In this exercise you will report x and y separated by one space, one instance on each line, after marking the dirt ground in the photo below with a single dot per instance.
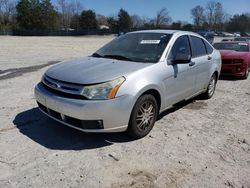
201 143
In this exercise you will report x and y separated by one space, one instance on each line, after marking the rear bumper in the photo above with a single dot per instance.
113 114
233 69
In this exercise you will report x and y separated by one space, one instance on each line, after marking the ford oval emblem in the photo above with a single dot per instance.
53 85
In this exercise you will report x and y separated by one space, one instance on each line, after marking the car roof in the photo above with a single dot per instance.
229 42
156 31
165 31
171 32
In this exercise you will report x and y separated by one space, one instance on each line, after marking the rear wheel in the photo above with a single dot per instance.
211 87
143 116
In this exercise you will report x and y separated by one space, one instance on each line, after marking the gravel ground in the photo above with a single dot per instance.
199 143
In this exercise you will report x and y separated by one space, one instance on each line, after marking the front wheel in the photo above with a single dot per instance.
246 74
143 116
211 87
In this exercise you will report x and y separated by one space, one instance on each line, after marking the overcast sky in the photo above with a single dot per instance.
178 9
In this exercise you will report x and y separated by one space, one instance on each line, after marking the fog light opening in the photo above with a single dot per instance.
100 124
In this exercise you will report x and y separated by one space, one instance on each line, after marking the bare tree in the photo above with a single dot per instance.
102 20
137 21
148 23
211 5
219 14
62 8
198 15
78 7
1 13
215 14
162 18
7 11
69 11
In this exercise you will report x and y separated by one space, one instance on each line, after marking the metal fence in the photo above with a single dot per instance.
57 32
19 32
6 32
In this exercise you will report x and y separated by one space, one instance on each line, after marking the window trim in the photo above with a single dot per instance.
206 46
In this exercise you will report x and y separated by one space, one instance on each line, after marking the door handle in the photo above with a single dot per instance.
209 58
191 64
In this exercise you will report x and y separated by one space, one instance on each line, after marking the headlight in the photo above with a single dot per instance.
106 90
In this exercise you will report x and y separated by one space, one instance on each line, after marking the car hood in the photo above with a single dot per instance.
91 70
232 54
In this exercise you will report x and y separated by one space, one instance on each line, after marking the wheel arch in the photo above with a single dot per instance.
155 93
216 73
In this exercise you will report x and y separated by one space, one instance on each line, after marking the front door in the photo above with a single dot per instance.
180 78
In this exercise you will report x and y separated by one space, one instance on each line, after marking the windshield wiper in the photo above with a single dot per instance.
118 57
96 55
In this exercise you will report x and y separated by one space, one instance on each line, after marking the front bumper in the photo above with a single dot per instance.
233 70
114 114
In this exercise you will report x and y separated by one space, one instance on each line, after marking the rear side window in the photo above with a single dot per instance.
208 47
198 47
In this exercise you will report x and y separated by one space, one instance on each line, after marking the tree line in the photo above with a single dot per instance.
214 17
42 15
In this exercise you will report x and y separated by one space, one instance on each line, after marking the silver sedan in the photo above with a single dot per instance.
124 85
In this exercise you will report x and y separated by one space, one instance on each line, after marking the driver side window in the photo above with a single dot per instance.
181 46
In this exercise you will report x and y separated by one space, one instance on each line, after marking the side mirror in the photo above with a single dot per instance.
181 59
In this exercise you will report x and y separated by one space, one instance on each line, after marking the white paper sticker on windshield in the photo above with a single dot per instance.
244 44
150 41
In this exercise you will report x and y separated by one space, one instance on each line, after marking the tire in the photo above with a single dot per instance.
210 88
143 116
246 74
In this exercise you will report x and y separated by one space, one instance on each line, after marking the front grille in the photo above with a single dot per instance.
82 124
227 61
63 94
59 85
232 61
226 71
63 89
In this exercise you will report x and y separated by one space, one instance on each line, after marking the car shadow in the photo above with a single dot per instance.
229 78
54 135
175 108
195 103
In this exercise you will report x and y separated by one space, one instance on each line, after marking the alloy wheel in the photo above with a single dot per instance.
211 86
247 72
145 116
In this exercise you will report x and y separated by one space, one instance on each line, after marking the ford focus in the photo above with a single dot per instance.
124 85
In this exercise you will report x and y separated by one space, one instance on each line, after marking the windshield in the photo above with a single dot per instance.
139 47
241 47
242 39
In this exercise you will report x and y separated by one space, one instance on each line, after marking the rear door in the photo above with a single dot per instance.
202 61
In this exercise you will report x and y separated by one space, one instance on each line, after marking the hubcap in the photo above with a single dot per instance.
211 87
145 116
